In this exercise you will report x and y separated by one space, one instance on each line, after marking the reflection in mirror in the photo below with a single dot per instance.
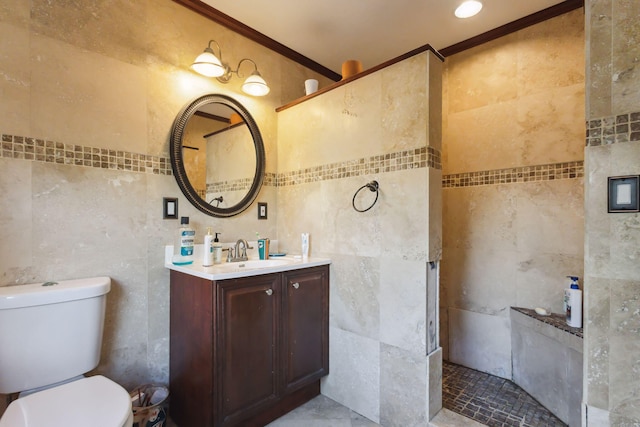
217 155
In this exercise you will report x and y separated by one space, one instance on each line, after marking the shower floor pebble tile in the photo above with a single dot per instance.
491 400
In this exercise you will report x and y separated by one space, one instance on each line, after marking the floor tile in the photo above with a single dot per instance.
322 412
492 400
470 398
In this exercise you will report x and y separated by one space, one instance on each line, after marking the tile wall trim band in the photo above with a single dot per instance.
41 150
613 129
423 157
27 148
548 172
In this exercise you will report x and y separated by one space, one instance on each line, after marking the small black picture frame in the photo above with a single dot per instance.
169 208
623 193
262 210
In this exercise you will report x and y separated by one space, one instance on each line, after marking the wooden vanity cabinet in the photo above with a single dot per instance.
245 351
305 309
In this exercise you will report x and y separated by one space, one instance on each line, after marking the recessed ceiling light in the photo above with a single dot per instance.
468 9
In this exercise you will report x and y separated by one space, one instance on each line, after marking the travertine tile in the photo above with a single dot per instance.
598 32
469 345
65 79
403 310
597 301
403 387
354 380
482 76
624 388
558 44
624 51
16 245
354 301
16 82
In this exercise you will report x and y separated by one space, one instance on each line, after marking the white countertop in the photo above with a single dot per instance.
237 269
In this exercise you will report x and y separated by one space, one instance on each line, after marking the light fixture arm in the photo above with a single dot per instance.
227 76
208 49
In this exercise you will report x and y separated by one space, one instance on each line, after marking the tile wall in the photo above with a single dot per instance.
384 351
513 174
612 240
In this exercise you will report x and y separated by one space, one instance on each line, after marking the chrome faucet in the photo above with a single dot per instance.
241 250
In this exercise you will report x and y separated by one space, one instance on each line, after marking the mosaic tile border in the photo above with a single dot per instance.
613 129
230 185
27 148
20 147
401 160
41 150
548 172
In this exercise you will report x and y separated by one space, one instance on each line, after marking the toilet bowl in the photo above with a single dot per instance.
51 335
89 402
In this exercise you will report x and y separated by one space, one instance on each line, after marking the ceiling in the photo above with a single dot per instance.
372 31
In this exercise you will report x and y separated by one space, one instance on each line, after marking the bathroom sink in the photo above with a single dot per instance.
262 263
252 264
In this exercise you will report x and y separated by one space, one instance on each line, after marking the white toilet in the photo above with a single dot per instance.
51 334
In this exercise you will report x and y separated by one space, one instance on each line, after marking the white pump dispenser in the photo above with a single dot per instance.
217 250
207 250
573 303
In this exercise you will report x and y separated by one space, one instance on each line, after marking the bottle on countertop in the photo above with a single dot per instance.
305 245
183 247
207 250
573 303
217 250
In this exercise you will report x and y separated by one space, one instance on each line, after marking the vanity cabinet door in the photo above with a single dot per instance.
247 316
305 326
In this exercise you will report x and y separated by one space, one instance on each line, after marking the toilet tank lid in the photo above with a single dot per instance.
52 292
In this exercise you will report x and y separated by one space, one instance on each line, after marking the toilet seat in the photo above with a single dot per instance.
95 401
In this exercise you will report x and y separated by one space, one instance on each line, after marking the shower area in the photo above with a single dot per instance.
513 202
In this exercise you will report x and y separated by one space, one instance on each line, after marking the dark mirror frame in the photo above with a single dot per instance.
177 163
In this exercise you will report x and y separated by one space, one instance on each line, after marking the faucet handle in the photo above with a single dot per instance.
229 254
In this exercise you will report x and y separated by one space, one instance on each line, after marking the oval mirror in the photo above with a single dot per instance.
217 155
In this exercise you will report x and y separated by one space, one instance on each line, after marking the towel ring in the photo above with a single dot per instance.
372 186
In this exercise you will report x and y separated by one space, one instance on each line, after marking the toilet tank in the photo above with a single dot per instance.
50 332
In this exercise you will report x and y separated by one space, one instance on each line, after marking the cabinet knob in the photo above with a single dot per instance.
296 285
269 292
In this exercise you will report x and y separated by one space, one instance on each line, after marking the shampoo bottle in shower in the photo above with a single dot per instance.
183 247
573 303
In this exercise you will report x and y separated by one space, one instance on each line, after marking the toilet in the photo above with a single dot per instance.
50 335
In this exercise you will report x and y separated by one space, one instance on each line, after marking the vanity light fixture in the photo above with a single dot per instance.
468 9
210 65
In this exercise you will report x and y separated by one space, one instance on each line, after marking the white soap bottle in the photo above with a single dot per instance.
305 245
183 247
217 250
573 303
207 250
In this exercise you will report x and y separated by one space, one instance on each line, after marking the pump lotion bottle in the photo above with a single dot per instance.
217 250
573 303
207 250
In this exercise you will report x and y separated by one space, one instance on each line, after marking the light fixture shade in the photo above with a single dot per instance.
255 85
468 9
208 64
